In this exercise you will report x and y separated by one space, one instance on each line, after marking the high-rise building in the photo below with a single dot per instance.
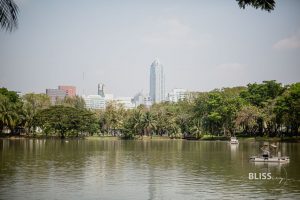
101 89
56 94
70 90
157 82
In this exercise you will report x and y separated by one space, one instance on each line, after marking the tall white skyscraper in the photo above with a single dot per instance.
157 82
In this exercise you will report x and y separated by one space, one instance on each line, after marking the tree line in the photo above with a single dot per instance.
259 109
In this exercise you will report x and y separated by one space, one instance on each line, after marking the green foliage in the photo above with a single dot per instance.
265 109
288 108
257 94
76 102
247 118
11 95
32 103
267 5
66 120
8 113
217 110
10 109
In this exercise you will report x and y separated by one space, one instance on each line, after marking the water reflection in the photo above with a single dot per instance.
174 169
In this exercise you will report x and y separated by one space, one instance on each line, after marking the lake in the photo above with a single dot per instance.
144 169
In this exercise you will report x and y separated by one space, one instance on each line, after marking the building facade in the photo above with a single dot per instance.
101 89
157 82
177 94
70 90
55 95
94 102
141 99
126 102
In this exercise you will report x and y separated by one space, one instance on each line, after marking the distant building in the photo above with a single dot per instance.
94 102
108 97
141 99
127 102
177 94
101 89
70 90
56 94
157 82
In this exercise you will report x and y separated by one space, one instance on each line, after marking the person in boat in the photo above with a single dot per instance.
266 154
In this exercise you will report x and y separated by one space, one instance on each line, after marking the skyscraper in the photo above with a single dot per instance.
101 89
157 82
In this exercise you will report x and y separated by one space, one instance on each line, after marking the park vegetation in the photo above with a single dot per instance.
259 109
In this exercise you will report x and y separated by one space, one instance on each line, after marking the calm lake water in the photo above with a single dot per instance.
168 169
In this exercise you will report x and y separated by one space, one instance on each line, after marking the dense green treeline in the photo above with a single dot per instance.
265 109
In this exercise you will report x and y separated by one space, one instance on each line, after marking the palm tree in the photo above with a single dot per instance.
28 117
197 128
149 123
8 116
138 121
8 15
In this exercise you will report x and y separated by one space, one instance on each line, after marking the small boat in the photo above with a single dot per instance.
233 140
267 157
282 159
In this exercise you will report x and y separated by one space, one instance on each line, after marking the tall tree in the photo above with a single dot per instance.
11 107
32 104
149 123
247 118
8 114
288 108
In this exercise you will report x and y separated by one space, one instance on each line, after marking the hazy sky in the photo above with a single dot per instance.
202 45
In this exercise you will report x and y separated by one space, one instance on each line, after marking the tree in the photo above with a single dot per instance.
137 121
247 118
11 95
196 128
257 94
8 15
149 123
32 104
267 5
66 120
8 114
288 108
76 102
10 109
133 123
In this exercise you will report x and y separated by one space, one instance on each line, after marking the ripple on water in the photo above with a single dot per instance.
137 170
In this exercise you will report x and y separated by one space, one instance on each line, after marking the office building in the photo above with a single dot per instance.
177 94
55 95
142 99
70 90
94 102
101 90
157 82
126 102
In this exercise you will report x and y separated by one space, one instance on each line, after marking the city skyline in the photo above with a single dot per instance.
203 45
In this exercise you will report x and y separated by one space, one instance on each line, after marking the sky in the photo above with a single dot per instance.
201 44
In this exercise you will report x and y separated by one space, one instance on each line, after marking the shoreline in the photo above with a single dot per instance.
155 138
